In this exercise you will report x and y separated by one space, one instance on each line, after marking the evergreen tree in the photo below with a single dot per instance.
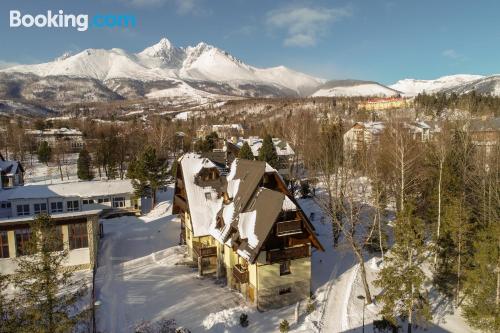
402 277
268 153
44 152
148 174
84 165
284 326
7 320
246 152
47 294
482 289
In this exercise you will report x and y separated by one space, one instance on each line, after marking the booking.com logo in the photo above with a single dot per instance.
61 20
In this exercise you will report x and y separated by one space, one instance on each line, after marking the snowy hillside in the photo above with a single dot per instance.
351 88
413 87
489 85
164 61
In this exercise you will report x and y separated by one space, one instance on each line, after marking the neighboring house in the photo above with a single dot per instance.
109 196
485 133
72 139
224 131
11 173
419 130
382 103
247 227
79 235
363 134
284 151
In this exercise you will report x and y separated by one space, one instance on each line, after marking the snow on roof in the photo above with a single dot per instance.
54 216
257 221
288 204
56 131
237 127
255 143
74 189
374 127
203 201
9 168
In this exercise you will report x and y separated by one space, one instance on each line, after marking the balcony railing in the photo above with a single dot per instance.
285 228
289 253
203 250
240 273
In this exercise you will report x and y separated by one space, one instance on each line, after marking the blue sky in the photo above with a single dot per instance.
380 40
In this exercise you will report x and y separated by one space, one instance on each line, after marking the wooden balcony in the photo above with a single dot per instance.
240 273
289 253
203 250
180 202
285 228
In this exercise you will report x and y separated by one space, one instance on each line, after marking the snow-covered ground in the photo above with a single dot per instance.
144 275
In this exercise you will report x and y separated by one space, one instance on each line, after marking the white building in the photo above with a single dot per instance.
72 138
69 197
362 134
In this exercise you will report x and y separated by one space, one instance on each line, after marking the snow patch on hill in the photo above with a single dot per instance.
413 87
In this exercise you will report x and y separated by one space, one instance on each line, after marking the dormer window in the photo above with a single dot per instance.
208 195
220 223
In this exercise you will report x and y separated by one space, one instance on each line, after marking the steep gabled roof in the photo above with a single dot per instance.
203 201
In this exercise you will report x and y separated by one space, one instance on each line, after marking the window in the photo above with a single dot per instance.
285 268
56 207
22 240
4 245
40 208
283 291
78 236
208 195
5 204
101 200
88 201
119 202
23 210
72 206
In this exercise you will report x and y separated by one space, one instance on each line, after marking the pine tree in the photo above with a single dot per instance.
402 277
481 307
148 174
47 294
44 152
246 152
268 153
284 326
84 165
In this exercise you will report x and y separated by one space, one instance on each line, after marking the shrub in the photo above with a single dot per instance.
284 326
244 320
311 306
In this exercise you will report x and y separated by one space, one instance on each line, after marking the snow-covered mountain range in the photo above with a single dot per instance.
198 66
195 75
350 88
461 83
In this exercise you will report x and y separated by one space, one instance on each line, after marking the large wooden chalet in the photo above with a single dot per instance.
244 225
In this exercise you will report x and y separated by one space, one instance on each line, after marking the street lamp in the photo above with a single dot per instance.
364 303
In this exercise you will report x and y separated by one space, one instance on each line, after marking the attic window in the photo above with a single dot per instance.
208 195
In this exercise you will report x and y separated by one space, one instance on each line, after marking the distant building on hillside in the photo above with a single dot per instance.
382 103
485 133
363 134
247 227
419 130
284 151
224 131
71 138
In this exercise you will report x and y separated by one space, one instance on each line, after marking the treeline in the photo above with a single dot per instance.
474 103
